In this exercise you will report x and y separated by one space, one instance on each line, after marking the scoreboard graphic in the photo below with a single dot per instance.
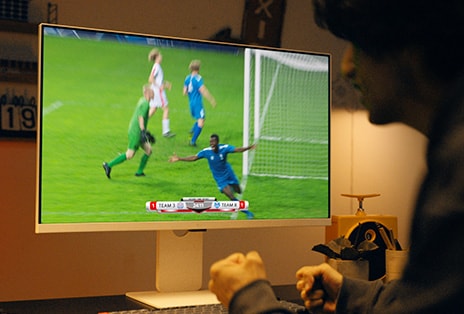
196 205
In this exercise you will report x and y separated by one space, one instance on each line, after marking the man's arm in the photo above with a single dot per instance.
239 283
243 149
175 158
141 123
205 93
151 77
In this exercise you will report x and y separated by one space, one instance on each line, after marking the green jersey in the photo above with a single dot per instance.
141 110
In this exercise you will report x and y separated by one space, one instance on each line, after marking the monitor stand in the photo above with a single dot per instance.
179 272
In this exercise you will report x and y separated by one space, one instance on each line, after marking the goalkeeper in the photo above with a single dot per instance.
139 136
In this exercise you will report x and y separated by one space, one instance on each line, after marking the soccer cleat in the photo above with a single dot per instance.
234 216
107 170
249 214
139 174
192 144
169 134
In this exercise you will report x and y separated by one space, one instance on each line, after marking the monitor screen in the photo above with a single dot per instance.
90 83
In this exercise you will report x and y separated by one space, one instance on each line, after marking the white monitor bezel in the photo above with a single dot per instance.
161 225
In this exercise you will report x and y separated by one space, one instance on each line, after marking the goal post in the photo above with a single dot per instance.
286 108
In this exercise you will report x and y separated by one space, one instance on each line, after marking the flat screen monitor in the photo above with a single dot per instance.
90 83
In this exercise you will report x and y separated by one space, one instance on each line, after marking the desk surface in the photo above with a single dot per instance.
94 305
85 305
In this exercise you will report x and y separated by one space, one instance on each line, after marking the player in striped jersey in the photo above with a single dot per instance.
159 86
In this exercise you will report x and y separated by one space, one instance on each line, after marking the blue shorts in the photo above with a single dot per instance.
231 179
197 112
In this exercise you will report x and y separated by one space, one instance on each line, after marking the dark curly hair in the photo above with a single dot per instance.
380 27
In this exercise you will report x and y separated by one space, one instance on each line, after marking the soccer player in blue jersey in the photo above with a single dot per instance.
222 171
195 88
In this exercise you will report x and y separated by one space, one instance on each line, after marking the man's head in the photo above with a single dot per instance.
195 66
214 141
154 55
402 56
148 92
382 27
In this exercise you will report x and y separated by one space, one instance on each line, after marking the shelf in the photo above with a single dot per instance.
18 71
18 27
26 77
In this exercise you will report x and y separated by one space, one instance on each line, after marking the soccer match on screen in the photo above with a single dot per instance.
143 128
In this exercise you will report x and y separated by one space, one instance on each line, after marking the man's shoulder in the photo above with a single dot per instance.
142 101
205 151
226 148
195 78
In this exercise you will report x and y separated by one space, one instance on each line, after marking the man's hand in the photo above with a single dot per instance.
167 85
174 158
233 273
319 286
213 103
146 136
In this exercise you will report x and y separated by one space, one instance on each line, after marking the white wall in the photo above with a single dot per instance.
365 159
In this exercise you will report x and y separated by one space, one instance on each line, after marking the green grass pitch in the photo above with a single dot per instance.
90 90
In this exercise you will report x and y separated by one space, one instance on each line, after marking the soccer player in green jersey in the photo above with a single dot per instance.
137 135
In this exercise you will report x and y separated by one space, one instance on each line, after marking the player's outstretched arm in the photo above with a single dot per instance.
175 158
243 149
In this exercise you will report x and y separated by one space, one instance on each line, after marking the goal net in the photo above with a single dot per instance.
286 112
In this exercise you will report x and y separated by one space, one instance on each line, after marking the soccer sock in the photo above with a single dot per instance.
196 133
192 130
165 125
143 163
120 159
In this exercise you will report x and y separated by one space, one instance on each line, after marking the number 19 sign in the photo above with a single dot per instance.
18 120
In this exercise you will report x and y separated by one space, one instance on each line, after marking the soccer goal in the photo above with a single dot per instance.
286 112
